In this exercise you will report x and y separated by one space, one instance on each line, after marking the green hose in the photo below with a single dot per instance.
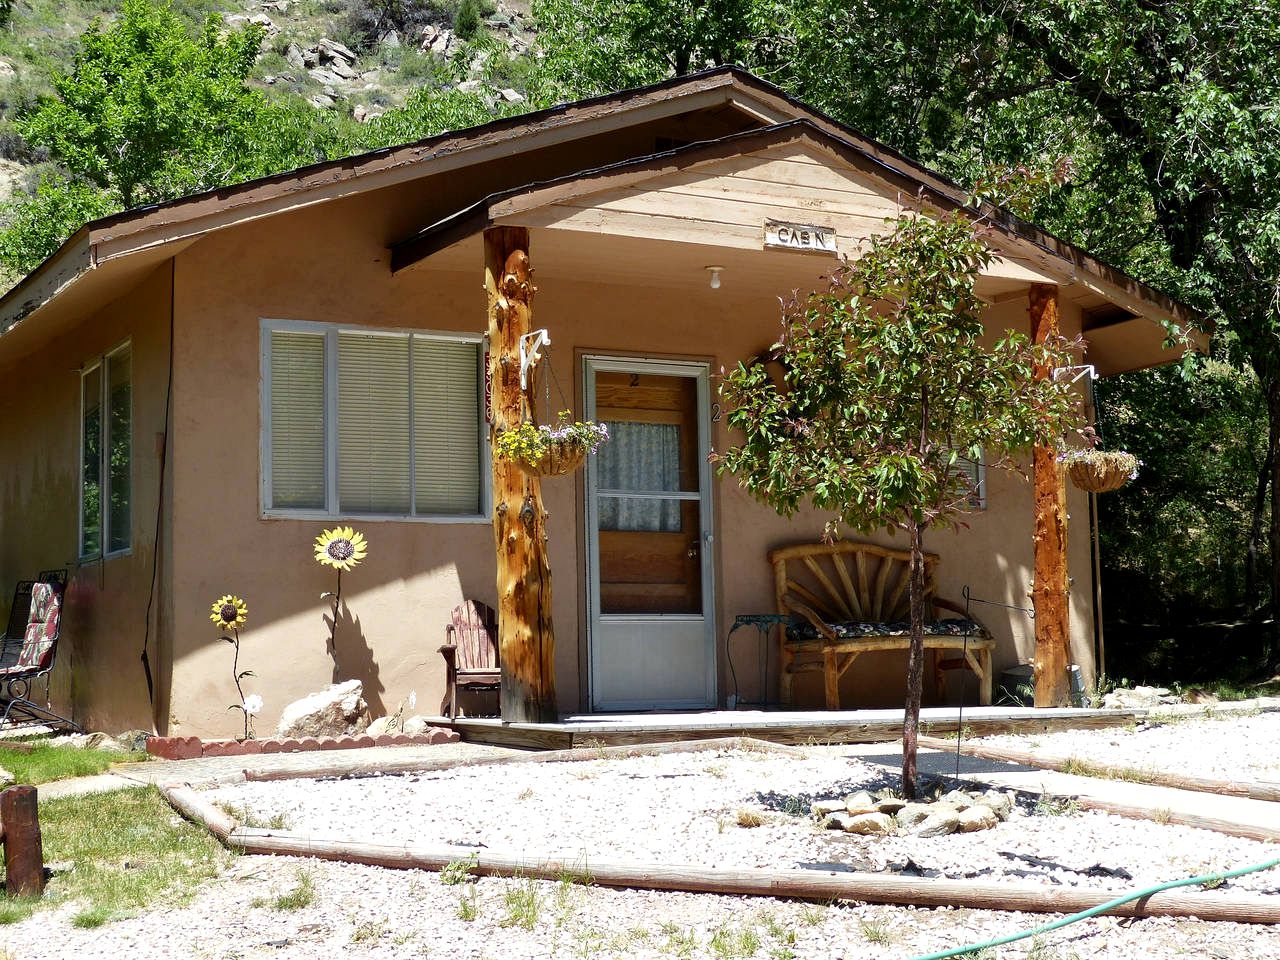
1101 908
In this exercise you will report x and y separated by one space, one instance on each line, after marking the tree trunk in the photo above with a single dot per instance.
526 639
1273 442
1049 595
915 663
1253 551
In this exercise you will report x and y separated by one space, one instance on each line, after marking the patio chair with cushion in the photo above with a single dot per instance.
30 647
471 653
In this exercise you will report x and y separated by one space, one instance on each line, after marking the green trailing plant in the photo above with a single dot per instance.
534 445
877 387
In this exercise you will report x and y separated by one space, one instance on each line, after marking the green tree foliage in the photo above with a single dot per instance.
877 387
59 207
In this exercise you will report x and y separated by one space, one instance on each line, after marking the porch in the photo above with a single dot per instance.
777 726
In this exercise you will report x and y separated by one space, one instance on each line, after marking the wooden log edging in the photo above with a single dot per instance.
383 766
693 878
1252 790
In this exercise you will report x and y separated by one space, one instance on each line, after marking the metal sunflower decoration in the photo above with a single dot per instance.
341 548
228 613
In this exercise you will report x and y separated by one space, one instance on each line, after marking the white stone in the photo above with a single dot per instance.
1001 804
267 24
958 799
293 53
509 95
391 40
323 75
977 817
869 824
338 711
860 802
914 813
821 808
938 824
333 50
6 69
416 725
379 727
6 777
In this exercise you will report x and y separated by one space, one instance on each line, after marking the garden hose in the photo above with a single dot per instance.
1209 878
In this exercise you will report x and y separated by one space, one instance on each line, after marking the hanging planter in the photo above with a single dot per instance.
1100 471
551 451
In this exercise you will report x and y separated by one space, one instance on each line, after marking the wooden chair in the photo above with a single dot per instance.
471 651
849 598
36 651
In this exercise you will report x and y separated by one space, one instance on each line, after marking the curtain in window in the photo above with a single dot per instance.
373 424
446 427
297 420
640 457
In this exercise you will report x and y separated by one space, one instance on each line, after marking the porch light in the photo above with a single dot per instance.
715 276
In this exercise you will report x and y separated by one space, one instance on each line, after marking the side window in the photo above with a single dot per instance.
106 454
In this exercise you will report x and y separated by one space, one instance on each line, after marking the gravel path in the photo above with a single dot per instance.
1225 748
365 912
683 808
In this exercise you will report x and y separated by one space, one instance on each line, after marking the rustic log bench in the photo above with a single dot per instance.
848 598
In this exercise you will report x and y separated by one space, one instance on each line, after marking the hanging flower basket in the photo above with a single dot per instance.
552 451
1100 471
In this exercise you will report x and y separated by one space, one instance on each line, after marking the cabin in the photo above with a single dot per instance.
191 392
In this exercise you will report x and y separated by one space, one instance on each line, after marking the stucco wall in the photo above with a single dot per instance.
329 264
98 675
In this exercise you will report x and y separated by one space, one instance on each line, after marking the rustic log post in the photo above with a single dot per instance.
23 848
1049 596
526 640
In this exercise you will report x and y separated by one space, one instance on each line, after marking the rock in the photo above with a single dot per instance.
266 23
390 40
868 824
470 86
1001 804
133 739
6 777
379 727
890 805
337 712
821 808
280 6
509 95
293 53
344 70
860 802
1140 698
102 741
914 813
941 822
438 40
6 70
331 50
977 817
321 75
837 821
416 725
958 799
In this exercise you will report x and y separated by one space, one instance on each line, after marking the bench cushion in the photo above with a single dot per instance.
853 629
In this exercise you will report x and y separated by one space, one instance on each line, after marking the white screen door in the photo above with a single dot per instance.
651 636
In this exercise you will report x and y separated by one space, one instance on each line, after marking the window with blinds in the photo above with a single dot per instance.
371 423
975 475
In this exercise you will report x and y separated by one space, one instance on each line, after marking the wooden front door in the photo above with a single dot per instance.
648 530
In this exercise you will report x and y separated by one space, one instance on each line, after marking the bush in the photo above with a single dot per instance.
467 19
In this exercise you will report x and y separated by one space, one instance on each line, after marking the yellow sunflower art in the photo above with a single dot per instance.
341 548
229 613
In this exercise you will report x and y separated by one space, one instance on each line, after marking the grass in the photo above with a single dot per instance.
129 851
875 931
248 818
729 943
1048 806
46 762
751 818
523 903
459 871
468 906
368 931
301 896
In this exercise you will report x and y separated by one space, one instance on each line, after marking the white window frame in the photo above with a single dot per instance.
104 456
330 332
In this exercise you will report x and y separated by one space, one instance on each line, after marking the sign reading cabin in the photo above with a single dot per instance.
799 236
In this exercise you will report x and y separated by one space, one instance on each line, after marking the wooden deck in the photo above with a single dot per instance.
795 726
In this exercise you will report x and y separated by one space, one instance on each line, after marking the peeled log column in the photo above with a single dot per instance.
526 640
1049 597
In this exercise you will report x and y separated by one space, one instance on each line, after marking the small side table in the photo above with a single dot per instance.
763 622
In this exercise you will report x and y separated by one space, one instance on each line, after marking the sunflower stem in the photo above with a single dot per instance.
235 673
336 597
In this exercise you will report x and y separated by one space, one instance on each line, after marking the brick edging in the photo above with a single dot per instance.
190 748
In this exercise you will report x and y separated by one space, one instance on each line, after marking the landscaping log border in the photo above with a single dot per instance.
789 884
1252 790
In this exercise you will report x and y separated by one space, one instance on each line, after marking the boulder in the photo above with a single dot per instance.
391 40
977 817
339 711
102 741
957 798
133 739
821 808
6 777
868 824
1001 804
7 70
509 95
293 53
890 805
331 50
416 725
914 813
379 727
327 77
1140 698
860 802
941 822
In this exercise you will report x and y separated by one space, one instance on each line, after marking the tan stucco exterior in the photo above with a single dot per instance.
642 295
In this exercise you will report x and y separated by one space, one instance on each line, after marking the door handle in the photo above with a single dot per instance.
692 552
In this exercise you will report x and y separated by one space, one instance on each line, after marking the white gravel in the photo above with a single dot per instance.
682 808
1217 747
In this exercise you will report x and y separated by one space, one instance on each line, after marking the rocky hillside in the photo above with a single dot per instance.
356 58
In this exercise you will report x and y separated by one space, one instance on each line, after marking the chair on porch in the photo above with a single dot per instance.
30 649
471 651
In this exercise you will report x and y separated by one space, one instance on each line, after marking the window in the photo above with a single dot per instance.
371 423
975 475
106 454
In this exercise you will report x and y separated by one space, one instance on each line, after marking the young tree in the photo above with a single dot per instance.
885 384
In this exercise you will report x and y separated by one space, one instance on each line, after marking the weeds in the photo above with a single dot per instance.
248 818
369 931
728 944
1047 806
460 871
1162 815
875 931
751 818
813 914
301 896
523 903
468 906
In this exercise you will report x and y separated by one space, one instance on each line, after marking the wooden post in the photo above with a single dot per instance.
23 848
1049 597
526 640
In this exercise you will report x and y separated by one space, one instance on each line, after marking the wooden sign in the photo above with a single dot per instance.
799 236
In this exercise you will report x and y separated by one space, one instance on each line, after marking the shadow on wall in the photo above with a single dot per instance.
353 659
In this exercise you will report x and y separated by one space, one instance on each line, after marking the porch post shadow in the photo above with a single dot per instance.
1049 595
525 638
